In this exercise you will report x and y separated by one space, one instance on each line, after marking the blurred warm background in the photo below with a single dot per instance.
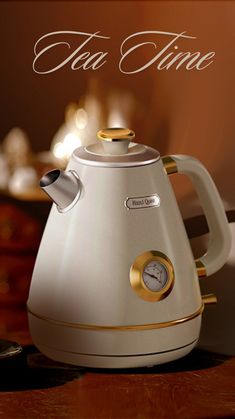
43 117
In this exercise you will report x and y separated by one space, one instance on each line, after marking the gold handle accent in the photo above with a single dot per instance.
209 299
116 134
170 165
201 270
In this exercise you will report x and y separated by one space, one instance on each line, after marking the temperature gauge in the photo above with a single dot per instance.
155 275
152 276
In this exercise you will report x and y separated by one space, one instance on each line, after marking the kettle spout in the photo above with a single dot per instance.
63 187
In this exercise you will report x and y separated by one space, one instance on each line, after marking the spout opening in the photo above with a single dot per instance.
49 178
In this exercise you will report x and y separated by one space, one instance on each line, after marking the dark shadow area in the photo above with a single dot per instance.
197 226
30 371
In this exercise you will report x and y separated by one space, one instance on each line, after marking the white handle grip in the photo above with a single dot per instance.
220 238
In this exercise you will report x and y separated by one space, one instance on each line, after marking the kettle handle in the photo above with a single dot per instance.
220 238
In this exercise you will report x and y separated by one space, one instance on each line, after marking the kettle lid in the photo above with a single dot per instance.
116 149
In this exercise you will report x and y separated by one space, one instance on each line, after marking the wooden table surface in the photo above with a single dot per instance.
201 385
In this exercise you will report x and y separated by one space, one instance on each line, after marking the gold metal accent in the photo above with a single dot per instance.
170 165
136 276
149 326
209 299
116 134
201 270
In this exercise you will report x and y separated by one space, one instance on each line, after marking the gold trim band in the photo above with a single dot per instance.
149 326
169 165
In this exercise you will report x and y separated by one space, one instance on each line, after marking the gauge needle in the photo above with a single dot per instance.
153 276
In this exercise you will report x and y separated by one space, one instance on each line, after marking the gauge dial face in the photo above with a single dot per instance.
155 276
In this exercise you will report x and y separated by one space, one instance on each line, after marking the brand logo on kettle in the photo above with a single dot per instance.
138 202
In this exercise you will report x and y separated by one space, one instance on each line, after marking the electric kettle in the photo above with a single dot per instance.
115 283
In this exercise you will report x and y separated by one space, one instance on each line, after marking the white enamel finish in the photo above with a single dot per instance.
82 269
137 155
148 360
114 349
219 239
115 148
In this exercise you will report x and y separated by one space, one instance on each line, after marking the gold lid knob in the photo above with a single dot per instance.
116 134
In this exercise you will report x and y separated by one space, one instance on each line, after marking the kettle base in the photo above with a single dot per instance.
113 348
131 361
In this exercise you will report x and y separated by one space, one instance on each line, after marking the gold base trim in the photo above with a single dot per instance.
170 165
149 326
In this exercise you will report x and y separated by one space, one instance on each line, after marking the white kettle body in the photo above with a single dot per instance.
115 283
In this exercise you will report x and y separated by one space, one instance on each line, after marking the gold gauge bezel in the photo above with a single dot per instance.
136 276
